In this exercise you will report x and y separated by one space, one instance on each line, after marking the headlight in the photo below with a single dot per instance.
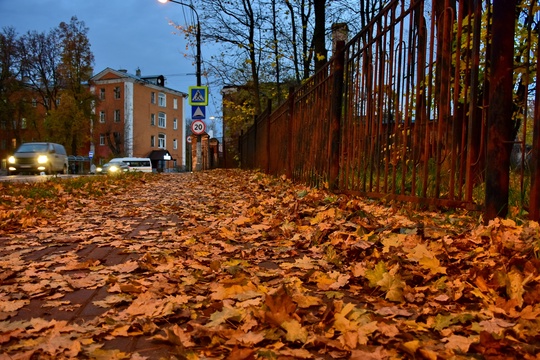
99 169
11 160
42 159
113 168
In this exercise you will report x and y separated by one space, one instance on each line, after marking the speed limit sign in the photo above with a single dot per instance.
198 127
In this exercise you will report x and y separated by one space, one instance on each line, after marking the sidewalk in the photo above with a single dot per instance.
229 264
97 252
67 266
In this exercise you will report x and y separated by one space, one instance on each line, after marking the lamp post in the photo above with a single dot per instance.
198 63
197 37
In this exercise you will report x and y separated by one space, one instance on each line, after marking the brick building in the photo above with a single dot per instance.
137 116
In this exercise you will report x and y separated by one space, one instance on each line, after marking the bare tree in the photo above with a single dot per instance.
40 63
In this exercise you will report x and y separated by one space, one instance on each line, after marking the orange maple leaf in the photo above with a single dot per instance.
280 307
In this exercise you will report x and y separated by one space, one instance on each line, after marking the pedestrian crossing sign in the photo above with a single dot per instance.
198 95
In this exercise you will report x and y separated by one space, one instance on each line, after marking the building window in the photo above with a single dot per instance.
57 102
175 124
116 115
34 102
162 100
153 97
117 92
153 119
175 144
152 141
101 139
102 94
162 120
161 141
23 123
175 103
102 116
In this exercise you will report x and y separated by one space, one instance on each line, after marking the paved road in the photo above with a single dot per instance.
32 178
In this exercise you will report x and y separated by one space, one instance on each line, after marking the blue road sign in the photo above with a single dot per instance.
198 112
198 95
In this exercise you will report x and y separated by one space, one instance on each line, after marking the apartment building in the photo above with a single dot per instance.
137 116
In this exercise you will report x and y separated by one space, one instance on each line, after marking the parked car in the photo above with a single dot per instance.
112 167
137 164
38 157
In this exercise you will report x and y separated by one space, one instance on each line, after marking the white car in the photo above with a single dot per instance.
136 164
112 167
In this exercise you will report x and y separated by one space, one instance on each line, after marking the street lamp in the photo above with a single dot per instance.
198 37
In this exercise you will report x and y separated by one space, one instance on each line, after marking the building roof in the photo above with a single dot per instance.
156 80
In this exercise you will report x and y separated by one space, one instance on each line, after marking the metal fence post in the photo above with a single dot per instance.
499 124
337 112
534 205
290 104
268 137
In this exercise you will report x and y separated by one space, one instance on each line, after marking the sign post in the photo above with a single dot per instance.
198 99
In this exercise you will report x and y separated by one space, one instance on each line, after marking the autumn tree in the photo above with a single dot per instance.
75 70
54 66
10 88
68 123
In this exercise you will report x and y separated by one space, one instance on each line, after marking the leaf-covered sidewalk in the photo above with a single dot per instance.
229 264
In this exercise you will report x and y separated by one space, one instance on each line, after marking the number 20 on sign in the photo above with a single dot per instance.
198 127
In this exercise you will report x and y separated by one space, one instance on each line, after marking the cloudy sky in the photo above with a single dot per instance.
124 34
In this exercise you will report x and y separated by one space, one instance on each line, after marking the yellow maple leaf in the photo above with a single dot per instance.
234 291
295 331
305 301
514 286
365 331
376 274
411 346
101 354
342 321
228 234
433 264
296 353
219 317
393 240
241 220
419 252
324 282
393 286
305 263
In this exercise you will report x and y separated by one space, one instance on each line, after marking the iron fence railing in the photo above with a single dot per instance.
402 111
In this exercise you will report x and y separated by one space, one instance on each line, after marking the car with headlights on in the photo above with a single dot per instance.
40 158
112 167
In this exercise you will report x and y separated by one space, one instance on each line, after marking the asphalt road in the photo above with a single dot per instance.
32 178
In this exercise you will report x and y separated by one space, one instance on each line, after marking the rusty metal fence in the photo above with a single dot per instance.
403 112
